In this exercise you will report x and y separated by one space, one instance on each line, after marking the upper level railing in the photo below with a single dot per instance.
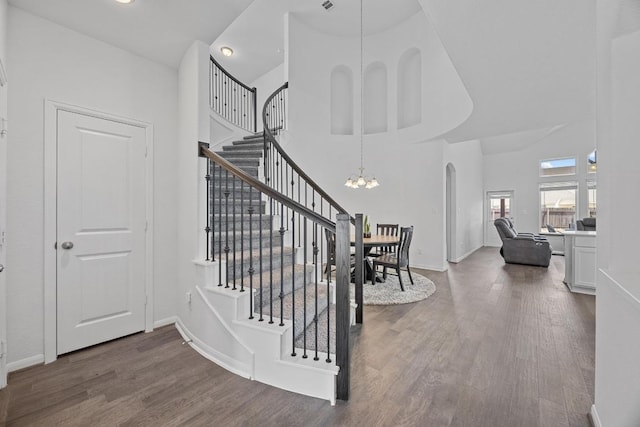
231 98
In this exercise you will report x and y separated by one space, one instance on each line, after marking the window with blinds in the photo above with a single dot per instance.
558 202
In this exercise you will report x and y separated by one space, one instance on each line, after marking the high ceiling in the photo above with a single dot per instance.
528 66
257 36
159 30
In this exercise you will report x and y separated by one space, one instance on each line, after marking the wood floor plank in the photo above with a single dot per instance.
496 345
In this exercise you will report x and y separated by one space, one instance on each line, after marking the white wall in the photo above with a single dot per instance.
3 30
519 170
48 61
194 126
467 159
617 378
3 142
411 172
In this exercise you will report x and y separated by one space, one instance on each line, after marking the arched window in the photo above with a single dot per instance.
409 88
341 101
375 98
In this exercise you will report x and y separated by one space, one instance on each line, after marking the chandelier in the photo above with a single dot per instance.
361 180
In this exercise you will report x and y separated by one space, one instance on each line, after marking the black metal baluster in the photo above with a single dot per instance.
328 360
281 264
299 198
220 228
260 243
212 201
250 253
226 227
242 214
293 284
315 264
304 284
207 228
234 232
270 260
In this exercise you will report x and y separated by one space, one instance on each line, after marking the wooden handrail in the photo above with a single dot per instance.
228 74
265 189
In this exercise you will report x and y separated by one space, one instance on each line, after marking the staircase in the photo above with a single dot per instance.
279 272
263 307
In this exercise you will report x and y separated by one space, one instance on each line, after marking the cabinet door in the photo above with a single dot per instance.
585 267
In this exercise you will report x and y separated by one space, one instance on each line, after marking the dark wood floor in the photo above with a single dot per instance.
496 345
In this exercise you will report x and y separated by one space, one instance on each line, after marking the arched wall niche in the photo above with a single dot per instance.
375 99
410 88
341 100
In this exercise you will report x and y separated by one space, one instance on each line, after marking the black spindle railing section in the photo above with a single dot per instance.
273 243
230 98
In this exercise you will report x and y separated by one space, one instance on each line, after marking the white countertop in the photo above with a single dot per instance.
579 233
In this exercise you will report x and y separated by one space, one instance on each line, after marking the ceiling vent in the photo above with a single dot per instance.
328 5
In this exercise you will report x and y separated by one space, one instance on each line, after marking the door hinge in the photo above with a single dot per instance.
146 299
146 150
146 225
3 349
2 238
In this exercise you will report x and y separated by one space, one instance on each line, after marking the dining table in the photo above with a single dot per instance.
368 243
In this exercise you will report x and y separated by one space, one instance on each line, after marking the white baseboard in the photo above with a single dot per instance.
460 258
164 322
594 417
430 267
212 354
38 359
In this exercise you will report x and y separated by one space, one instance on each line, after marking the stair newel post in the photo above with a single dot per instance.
254 92
315 299
293 281
211 201
304 284
282 230
250 253
359 269
343 253
234 232
227 193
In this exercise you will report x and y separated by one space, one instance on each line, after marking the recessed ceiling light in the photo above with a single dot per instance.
226 51
125 1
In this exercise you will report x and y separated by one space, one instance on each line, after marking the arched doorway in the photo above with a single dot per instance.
450 215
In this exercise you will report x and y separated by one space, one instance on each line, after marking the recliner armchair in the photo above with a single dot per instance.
523 248
586 224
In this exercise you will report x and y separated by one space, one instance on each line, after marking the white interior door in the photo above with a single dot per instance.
499 204
100 230
3 212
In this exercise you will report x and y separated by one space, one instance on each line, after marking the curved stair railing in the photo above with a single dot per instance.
230 98
290 256
284 175
281 172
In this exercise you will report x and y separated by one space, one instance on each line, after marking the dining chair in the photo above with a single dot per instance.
398 260
385 230
331 251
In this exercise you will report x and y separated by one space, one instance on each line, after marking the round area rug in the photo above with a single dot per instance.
389 292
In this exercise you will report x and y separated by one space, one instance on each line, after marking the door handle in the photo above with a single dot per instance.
67 245
1 268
